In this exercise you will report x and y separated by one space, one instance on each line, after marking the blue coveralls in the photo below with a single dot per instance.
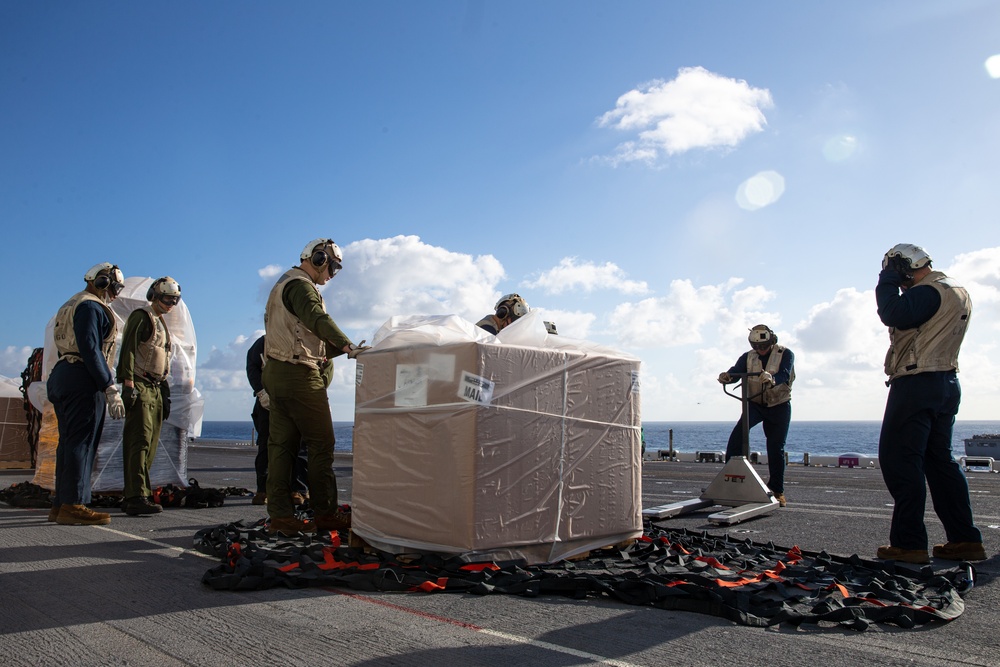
915 442
76 391
776 420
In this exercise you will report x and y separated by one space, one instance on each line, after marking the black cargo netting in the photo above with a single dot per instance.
746 582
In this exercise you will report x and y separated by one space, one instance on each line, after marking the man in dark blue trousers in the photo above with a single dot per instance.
79 387
927 314
769 371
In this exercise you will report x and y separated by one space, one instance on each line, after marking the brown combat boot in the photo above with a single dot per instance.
339 521
960 551
54 513
288 526
259 498
916 556
81 515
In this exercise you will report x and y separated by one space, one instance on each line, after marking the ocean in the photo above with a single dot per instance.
817 438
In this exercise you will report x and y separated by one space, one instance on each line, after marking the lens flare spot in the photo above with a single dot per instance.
840 148
993 66
760 190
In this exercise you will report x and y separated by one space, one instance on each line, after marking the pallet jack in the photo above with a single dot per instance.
737 486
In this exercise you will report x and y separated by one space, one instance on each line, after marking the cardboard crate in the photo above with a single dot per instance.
494 450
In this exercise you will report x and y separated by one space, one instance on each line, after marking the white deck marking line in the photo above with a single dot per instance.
519 639
140 538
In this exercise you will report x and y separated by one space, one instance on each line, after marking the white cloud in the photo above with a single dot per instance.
698 109
574 324
979 272
679 317
403 275
13 361
270 271
587 276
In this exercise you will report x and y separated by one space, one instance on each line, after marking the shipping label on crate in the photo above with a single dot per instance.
411 385
475 389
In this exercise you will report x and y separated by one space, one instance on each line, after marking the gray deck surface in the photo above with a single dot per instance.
131 593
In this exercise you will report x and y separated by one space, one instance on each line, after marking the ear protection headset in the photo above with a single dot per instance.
319 258
105 276
323 252
151 292
512 305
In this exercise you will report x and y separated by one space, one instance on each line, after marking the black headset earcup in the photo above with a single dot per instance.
151 292
503 312
102 281
319 258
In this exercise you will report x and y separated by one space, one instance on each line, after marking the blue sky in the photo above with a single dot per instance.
654 176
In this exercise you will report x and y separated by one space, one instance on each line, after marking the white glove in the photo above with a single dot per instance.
725 378
265 400
355 350
766 379
116 408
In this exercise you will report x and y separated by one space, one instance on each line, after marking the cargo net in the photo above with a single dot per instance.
742 581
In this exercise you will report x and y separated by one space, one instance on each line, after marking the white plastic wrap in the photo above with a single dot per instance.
187 405
521 445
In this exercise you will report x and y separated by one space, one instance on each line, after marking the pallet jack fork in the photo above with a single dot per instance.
737 486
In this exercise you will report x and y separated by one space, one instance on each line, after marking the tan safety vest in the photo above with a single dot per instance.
65 335
776 394
152 357
934 345
287 338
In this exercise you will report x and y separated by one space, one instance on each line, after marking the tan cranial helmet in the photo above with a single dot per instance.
323 252
512 306
761 336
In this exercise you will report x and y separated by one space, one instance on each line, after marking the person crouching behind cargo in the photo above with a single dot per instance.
79 387
509 308
770 392
300 341
262 424
143 368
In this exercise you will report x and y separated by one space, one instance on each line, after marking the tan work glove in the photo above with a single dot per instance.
355 350
116 408
265 400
